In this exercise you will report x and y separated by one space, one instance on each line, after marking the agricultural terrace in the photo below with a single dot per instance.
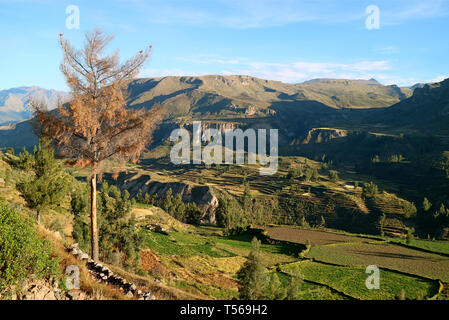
351 281
385 255
316 238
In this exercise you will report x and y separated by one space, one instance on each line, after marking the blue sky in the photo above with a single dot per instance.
286 40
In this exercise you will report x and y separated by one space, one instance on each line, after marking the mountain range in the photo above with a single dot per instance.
231 95
427 110
250 101
222 94
14 102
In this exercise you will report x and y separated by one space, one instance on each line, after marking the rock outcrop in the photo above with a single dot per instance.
41 289
202 196
34 289
319 135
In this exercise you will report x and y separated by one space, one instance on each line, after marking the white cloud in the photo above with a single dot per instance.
300 71
293 72
387 50
242 14
232 14
438 79
168 72
297 72
210 59
235 61
399 11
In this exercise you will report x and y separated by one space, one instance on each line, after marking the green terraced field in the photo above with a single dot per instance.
385 255
434 246
351 281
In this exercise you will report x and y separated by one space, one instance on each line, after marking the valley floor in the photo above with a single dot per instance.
182 261
204 262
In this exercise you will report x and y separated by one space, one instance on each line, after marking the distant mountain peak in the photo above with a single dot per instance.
417 85
14 101
346 81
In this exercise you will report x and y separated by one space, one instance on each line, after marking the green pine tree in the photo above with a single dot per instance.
252 275
333 175
294 286
48 183
426 205
247 201
274 289
178 208
167 203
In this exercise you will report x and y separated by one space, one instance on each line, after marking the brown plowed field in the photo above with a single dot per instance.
316 238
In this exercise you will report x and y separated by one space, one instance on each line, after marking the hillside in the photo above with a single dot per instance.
293 107
14 102
360 94
230 95
352 105
17 135
427 110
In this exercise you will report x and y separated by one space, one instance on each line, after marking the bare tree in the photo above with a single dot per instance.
96 125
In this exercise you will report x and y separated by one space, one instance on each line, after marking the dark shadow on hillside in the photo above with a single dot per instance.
123 176
160 99
282 247
396 256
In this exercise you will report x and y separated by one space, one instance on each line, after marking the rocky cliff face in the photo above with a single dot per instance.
203 196
319 135
222 127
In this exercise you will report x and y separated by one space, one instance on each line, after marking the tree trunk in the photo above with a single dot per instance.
93 217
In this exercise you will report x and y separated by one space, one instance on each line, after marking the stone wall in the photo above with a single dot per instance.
103 274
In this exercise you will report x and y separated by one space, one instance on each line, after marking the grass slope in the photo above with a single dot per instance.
351 281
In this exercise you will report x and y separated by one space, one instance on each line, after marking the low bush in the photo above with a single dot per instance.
22 252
